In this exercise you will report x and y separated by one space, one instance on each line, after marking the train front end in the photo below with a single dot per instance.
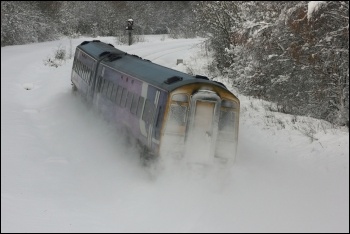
201 124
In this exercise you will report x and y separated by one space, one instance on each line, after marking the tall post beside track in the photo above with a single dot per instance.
130 23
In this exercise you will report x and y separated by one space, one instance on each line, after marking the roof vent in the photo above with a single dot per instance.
201 77
84 42
110 45
220 83
96 40
104 53
112 57
173 79
134 55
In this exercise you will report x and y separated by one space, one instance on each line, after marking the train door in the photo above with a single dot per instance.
150 110
203 127
151 128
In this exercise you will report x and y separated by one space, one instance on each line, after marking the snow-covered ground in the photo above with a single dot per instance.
64 169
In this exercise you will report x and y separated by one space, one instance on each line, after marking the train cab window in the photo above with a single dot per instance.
178 114
178 109
140 107
124 96
228 104
180 97
226 122
119 95
227 116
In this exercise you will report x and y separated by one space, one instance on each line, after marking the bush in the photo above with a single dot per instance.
59 57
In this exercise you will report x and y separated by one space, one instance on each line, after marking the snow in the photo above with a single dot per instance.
312 7
65 169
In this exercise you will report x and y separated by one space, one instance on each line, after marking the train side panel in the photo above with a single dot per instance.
134 105
83 73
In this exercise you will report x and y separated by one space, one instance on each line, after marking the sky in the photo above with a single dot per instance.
65 169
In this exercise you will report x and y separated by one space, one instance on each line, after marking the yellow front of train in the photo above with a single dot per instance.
201 124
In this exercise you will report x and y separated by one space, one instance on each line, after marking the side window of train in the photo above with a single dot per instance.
114 92
82 69
134 103
110 89
75 64
100 88
157 131
140 107
102 84
119 95
158 116
124 96
84 72
105 87
78 67
129 100
99 80
88 75
148 111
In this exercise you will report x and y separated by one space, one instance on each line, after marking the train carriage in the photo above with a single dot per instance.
169 113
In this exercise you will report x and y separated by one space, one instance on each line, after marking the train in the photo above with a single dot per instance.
166 112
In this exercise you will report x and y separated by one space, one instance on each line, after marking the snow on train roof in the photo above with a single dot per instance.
154 74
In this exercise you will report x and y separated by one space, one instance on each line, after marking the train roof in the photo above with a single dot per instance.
159 76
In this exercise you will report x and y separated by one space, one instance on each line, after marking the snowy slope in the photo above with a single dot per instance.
64 169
